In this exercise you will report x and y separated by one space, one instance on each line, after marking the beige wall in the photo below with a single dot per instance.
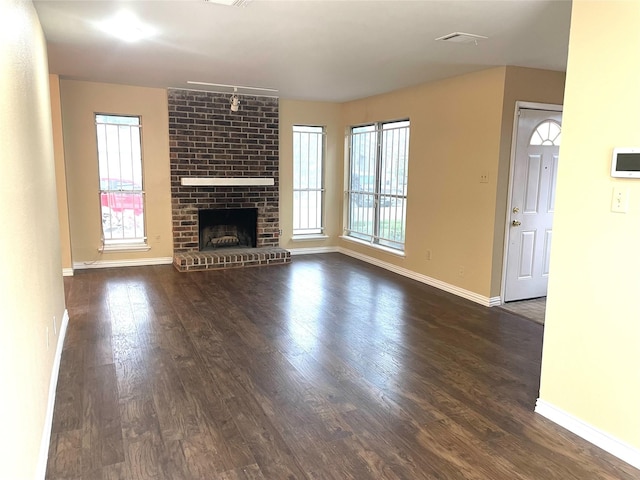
80 101
460 128
591 356
61 176
455 136
31 289
327 115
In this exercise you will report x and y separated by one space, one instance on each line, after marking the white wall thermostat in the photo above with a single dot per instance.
626 162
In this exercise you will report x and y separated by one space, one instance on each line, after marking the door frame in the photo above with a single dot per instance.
512 159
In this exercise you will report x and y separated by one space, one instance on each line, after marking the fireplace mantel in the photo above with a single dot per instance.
226 181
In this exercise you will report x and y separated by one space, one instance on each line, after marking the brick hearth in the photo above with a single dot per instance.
230 258
207 140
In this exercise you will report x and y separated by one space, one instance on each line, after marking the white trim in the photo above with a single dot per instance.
53 383
495 301
460 292
594 435
312 250
226 181
138 262
309 238
551 107
392 251
512 159
67 272
124 247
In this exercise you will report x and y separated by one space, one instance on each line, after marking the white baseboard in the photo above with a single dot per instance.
460 292
53 383
601 439
138 262
495 301
312 250
67 272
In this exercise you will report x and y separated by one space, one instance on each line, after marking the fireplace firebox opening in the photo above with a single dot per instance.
227 227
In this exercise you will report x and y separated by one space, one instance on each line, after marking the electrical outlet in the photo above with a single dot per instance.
484 177
428 254
461 271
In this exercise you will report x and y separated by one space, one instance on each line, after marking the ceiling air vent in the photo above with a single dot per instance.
230 3
459 37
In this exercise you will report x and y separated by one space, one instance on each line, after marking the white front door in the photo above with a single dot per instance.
535 170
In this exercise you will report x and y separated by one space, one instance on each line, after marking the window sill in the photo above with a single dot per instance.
308 238
124 247
398 253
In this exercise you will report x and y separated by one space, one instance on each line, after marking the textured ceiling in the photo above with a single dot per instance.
311 50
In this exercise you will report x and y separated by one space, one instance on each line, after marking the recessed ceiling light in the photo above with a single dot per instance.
460 37
126 26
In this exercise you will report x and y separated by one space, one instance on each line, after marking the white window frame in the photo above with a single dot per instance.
375 187
308 221
121 182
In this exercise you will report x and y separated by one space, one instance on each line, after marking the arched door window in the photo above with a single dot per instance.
547 133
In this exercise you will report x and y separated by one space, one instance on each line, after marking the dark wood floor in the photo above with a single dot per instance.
327 368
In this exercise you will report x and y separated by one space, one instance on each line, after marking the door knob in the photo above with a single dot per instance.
516 223
515 210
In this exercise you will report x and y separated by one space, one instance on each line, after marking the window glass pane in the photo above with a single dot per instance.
547 133
307 129
389 125
118 119
378 183
135 143
120 183
122 215
363 159
363 129
308 156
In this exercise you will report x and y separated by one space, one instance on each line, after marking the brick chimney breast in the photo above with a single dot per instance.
207 140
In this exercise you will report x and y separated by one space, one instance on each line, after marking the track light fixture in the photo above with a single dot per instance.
234 100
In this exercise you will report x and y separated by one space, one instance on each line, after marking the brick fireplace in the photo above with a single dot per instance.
222 160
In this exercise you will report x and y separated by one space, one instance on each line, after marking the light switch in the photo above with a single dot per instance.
620 200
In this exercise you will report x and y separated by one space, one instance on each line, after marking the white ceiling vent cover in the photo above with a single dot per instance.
230 3
460 37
